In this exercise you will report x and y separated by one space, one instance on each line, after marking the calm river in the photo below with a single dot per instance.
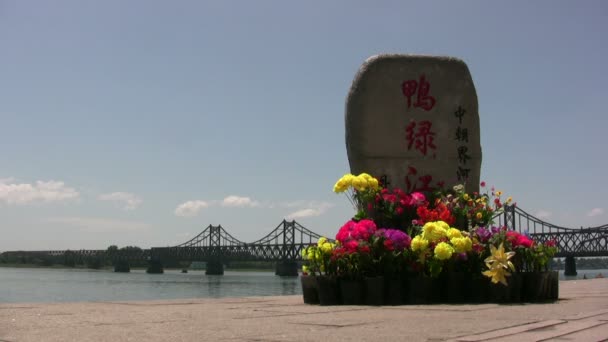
20 285
76 285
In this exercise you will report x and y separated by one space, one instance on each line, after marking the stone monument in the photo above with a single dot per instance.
412 122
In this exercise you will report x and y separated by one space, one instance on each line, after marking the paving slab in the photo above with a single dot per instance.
581 314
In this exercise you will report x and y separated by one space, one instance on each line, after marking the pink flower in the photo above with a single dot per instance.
418 198
483 184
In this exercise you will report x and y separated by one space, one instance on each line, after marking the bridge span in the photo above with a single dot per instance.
284 244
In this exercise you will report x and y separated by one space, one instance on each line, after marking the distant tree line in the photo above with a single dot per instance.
131 255
71 258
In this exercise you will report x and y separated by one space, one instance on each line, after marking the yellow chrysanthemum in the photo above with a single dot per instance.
419 243
304 269
343 183
433 231
373 184
365 176
465 197
359 183
443 225
443 251
461 244
327 247
479 216
321 241
454 233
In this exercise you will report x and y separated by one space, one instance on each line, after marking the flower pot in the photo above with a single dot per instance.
515 285
374 290
453 290
533 286
394 291
477 287
329 291
498 293
553 281
419 290
352 291
310 290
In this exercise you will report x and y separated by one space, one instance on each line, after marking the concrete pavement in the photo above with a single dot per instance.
581 314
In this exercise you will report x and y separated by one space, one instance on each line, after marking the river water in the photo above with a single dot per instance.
76 285
21 285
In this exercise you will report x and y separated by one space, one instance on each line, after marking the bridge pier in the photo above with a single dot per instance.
122 266
287 268
570 269
155 267
214 267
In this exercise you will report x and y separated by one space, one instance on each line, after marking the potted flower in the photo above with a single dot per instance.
318 274
353 258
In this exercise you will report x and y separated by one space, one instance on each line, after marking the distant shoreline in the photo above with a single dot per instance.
110 268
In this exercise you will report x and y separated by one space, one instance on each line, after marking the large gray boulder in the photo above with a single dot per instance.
413 121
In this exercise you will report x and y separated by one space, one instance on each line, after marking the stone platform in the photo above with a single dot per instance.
581 314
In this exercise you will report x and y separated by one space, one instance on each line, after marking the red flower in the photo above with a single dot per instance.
483 184
364 249
388 244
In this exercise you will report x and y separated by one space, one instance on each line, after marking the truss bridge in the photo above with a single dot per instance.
215 245
571 242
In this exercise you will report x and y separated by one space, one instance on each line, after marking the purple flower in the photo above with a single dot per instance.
399 239
484 234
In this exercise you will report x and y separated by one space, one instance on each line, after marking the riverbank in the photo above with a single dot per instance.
581 314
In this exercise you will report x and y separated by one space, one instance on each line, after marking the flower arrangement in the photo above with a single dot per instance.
439 245
477 208
395 233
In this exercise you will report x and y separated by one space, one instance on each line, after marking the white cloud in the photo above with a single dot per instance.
314 209
190 208
130 201
595 212
93 224
543 214
25 193
238 201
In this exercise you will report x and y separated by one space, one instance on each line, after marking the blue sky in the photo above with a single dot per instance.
142 122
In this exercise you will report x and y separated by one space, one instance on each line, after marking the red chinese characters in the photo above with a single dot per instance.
419 135
414 183
421 89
